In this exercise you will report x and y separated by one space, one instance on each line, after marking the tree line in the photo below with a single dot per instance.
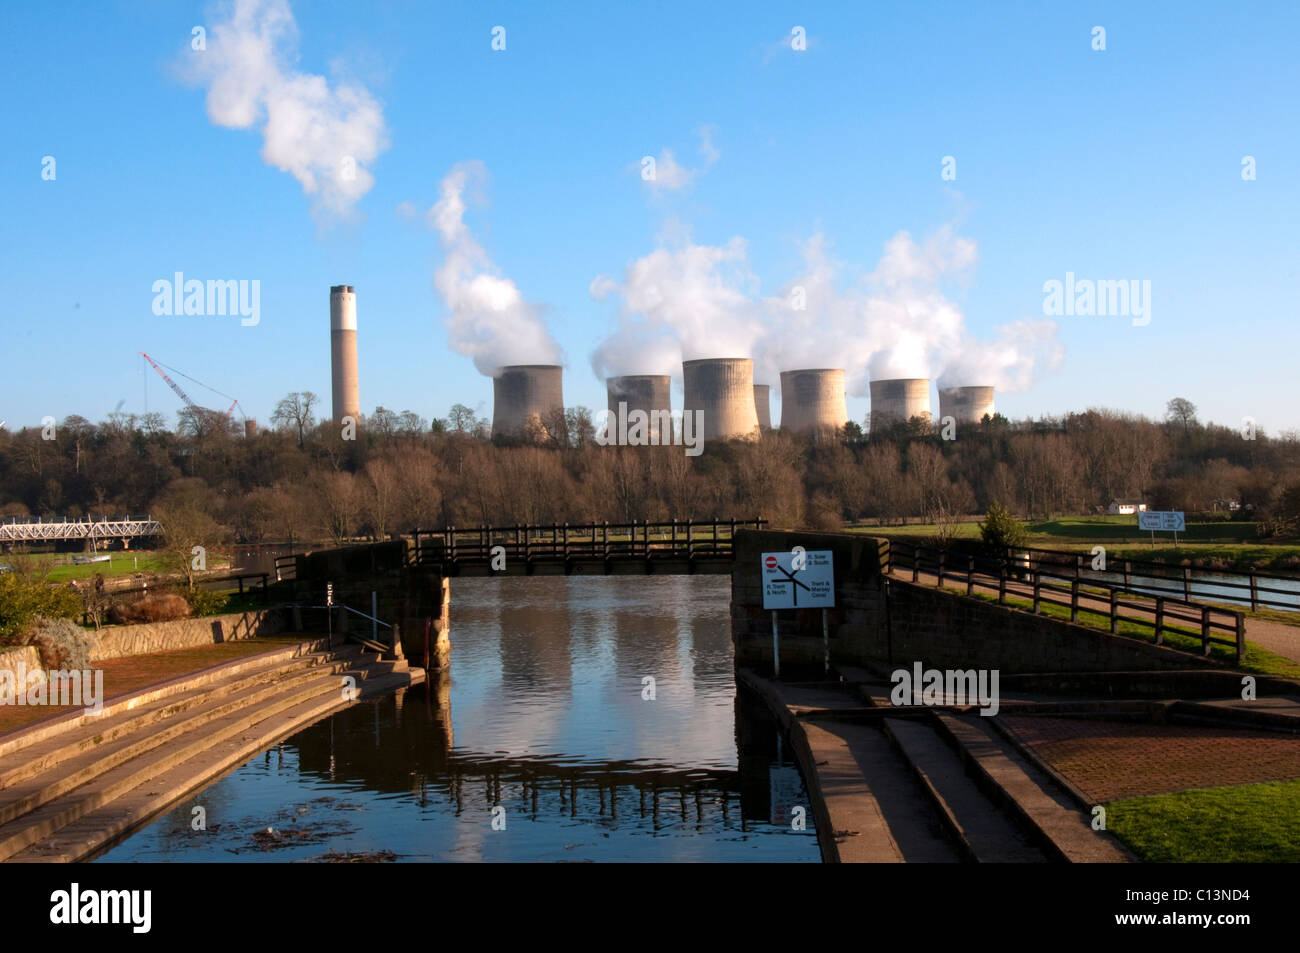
301 480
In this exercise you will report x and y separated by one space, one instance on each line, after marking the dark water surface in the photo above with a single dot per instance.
543 716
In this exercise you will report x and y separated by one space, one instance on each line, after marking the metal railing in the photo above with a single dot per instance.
1042 584
691 539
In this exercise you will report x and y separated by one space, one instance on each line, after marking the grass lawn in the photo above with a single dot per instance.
1219 545
1247 823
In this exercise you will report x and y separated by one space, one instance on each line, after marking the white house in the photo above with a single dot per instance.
1125 507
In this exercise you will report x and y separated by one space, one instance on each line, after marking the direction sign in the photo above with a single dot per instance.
810 586
1168 521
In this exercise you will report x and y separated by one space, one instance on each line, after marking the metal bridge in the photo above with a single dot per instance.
96 529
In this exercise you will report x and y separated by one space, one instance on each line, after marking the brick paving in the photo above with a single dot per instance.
1109 760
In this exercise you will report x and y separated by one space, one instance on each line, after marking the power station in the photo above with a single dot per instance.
647 393
899 400
525 397
343 352
966 405
763 406
722 389
812 402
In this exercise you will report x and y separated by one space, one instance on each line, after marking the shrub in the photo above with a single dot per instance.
62 643
162 607
1001 531
207 603
22 599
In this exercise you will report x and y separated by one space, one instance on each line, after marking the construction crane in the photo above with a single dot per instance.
186 397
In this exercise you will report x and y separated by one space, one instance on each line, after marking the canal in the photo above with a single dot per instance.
583 719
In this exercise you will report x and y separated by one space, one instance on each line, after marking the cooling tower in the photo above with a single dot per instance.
648 393
722 390
812 401
965 405
343 352
898 401
763 406
250 427
525 395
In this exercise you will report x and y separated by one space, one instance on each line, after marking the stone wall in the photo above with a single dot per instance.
884 619
948 630
27 655
120 640
856 624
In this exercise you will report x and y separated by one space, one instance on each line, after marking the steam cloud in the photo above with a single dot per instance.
324 136
488 319
895 321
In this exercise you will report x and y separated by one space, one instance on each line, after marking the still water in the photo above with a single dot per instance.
549 725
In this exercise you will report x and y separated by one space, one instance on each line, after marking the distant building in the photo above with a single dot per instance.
1125 507
1230 505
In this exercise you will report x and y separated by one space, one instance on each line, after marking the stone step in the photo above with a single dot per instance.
1061 827
49 817
983 829
88 763
100 731
13 742
99 828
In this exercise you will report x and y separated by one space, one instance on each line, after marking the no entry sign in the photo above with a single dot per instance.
798 580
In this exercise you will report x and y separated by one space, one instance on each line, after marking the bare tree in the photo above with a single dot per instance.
294 412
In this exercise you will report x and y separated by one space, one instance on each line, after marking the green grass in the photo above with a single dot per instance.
1216 545
1247 823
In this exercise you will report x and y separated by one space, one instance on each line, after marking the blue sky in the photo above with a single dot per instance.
1116 164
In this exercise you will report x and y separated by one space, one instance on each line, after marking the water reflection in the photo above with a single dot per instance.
545 714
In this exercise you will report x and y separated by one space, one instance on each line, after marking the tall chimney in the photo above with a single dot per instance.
343 352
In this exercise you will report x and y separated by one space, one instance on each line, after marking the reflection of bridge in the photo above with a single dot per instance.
95 530
402 744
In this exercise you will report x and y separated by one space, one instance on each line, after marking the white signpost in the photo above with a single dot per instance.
1165 521
799 579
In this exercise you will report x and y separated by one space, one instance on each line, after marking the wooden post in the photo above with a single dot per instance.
1114 612
1160 620
1205 630
938 582
427 625
566 540
1037 596
1254 593
689 549
1002 585
1241 636
1187 584
916 561
1074 599
970 575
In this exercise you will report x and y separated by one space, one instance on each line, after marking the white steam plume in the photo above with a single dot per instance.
488 319
324 136
894 322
